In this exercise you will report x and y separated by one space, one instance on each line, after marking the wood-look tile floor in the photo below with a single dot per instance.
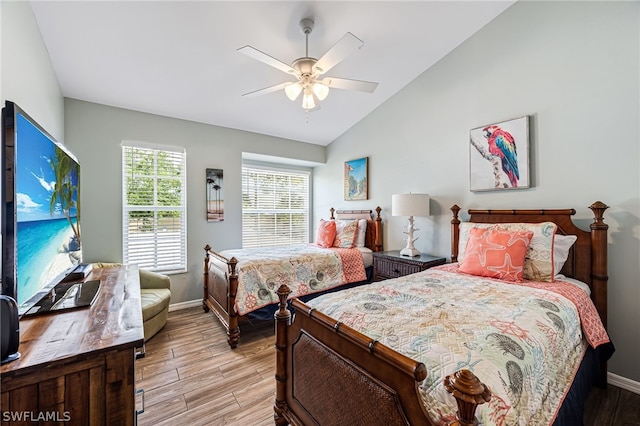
191 377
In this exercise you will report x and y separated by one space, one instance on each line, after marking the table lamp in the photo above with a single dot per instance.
410 205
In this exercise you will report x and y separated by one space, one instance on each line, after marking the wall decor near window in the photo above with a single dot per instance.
356 179
499 155
215 196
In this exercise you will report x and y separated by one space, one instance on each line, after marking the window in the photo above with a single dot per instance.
154 207
275 206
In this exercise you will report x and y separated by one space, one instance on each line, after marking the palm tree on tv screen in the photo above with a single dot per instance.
64 190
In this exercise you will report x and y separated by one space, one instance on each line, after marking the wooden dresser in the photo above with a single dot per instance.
77 367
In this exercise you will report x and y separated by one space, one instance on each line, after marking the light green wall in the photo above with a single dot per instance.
572 66
27 76
95 132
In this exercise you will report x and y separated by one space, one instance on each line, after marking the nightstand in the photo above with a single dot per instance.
391 264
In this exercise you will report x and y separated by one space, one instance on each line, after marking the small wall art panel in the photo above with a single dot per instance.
215 195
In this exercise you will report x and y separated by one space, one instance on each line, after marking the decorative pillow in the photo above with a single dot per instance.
362 232
496 253
326 233
539 261
346 231
561 246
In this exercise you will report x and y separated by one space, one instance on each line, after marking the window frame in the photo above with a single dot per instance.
179 265
288 170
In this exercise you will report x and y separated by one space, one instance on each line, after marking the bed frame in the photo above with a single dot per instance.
221 275
328 373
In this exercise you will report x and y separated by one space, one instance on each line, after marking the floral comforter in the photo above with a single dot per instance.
305 268
524 341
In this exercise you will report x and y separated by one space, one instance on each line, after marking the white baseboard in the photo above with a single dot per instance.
185 305
623 382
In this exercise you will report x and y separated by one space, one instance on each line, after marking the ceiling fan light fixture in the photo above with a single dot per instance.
308 71
307 100
320 90
293 91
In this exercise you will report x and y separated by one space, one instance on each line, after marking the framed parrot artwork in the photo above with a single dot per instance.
499 155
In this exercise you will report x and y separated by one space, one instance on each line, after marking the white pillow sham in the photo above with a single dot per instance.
561 246
362 232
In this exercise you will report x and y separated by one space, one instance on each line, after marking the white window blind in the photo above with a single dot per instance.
154 208
275 206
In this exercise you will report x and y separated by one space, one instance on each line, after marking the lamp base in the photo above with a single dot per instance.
412 252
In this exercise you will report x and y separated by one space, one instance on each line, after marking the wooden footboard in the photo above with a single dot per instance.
220 288
328 373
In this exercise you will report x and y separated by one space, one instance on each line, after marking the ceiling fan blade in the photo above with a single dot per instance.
267 90
345 46
346 84
269 60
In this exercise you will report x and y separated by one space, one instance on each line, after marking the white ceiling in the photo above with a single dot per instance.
179 59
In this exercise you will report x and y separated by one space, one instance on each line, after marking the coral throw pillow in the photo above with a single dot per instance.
346 231
496 253
326 233
538 264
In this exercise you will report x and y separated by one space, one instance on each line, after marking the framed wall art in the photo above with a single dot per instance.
356 179
215 195
499 155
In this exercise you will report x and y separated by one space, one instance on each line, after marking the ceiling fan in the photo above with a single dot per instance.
308 71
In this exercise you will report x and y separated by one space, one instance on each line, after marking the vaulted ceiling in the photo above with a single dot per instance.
179 59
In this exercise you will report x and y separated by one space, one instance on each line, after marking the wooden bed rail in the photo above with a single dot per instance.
377 369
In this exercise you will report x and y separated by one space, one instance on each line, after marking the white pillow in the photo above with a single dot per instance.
561 246
362 231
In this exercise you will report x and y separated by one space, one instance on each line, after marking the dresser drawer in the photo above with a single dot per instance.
393 269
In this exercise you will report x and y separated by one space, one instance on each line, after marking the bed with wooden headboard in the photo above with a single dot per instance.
328 372
222 273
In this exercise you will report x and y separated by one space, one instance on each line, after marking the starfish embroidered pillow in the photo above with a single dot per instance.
538 265
326 233
496 253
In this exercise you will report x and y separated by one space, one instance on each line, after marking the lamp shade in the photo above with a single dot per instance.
410 205
293 90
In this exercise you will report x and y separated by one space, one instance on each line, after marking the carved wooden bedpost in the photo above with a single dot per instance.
455 233
599 272
233 335
206 278
469 393
283 320
378 222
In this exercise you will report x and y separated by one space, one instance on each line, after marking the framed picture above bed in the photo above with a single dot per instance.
356 179
499 155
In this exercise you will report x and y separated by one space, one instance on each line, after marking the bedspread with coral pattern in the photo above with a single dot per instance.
305 268
524 341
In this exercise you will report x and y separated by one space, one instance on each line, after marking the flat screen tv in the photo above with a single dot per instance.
41 242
